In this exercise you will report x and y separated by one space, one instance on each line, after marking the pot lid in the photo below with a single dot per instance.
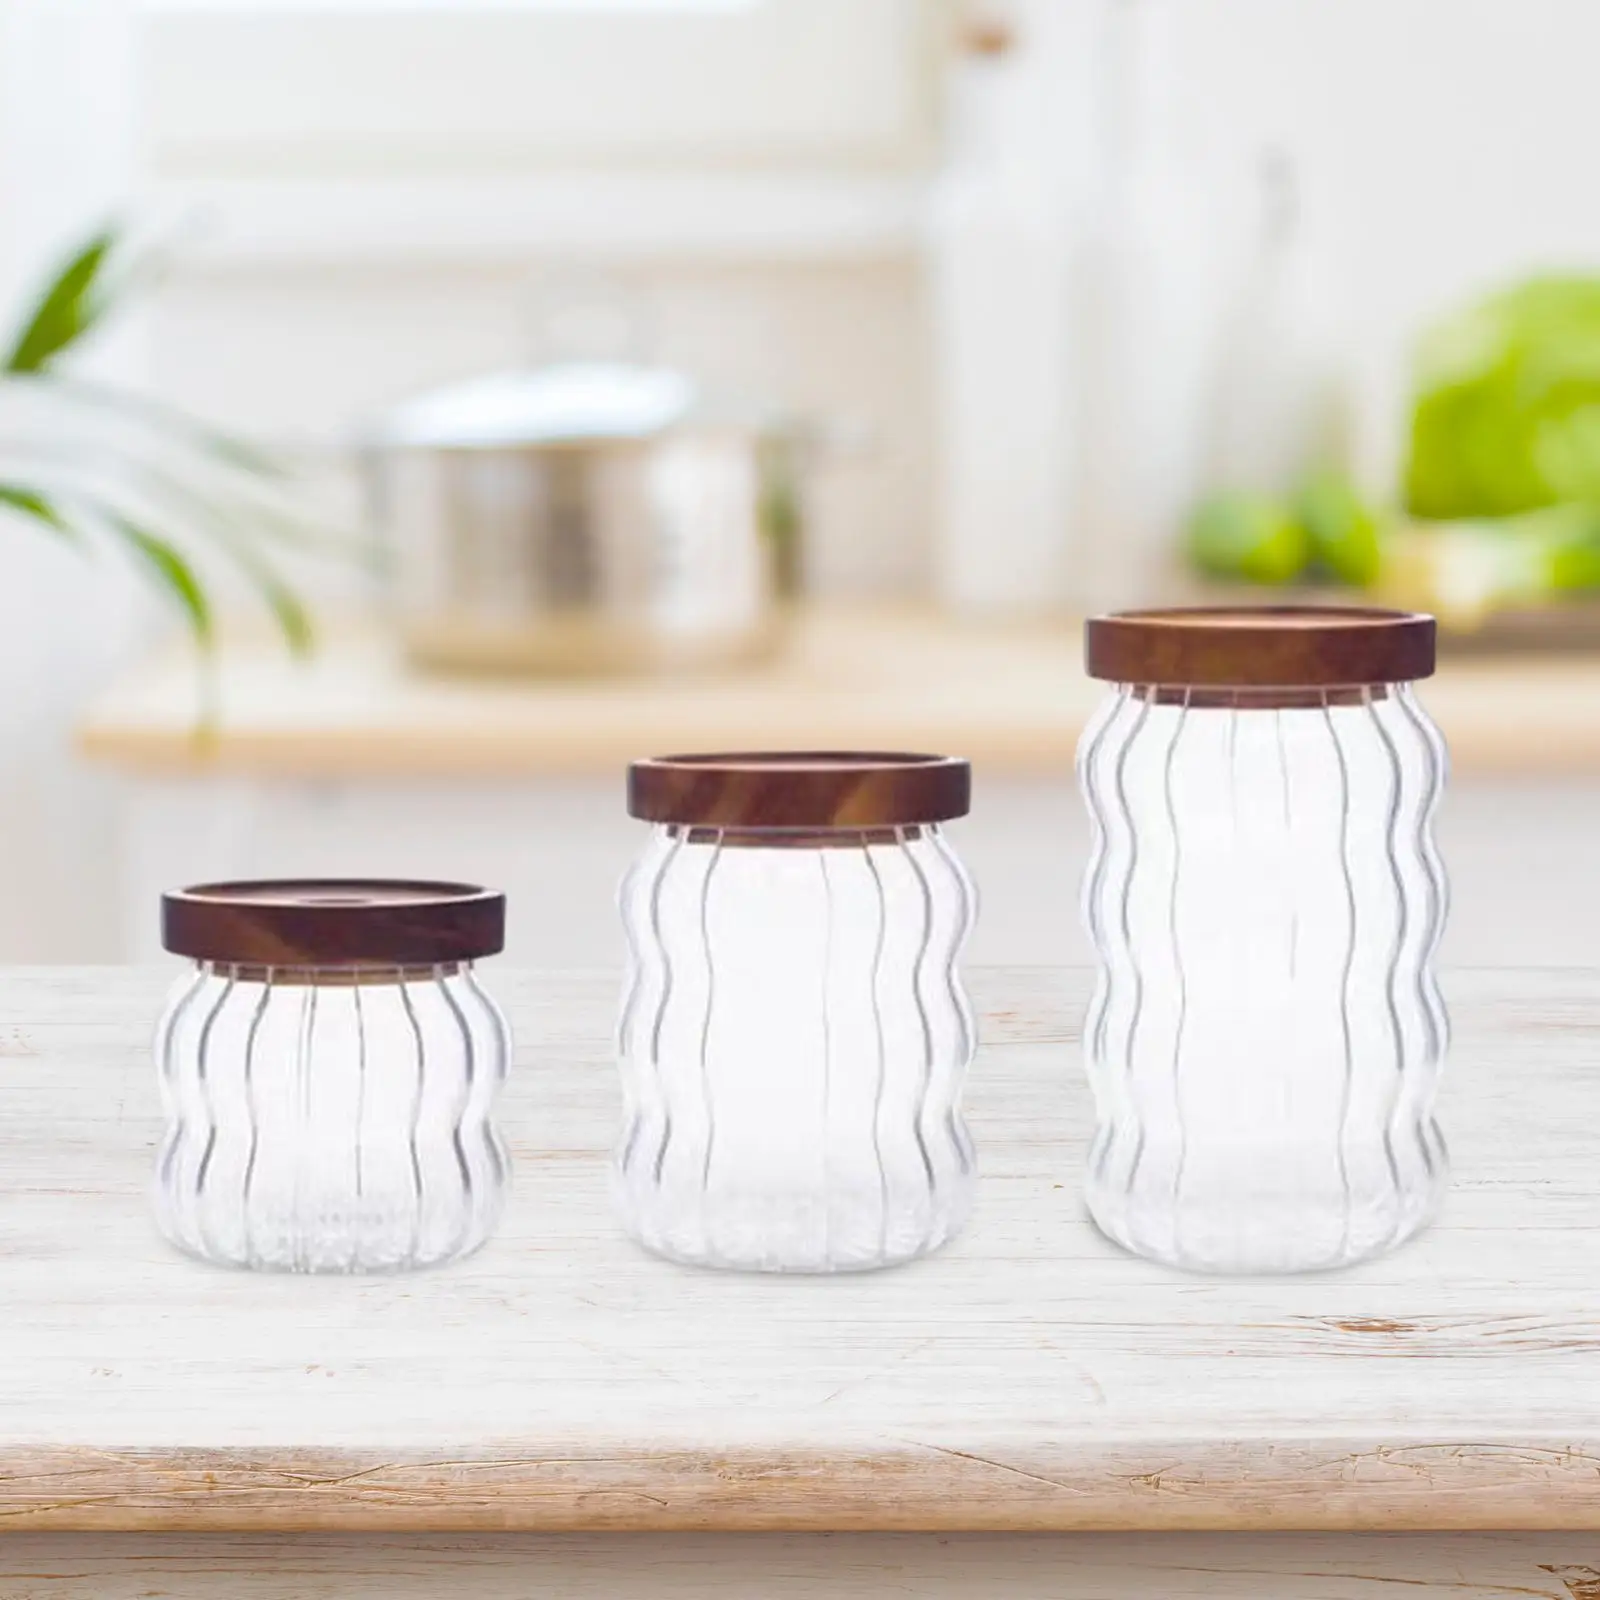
565 403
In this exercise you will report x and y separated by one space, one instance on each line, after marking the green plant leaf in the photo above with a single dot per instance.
170 424
239 531
288 610
173 574
70 306
233 536
294 621
170 472
266 523
30 503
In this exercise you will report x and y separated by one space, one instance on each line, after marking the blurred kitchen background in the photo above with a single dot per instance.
718 373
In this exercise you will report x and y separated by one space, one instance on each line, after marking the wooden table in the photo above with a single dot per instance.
1029 1414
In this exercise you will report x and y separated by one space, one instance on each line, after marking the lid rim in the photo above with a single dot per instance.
1260 647
785 790
333 922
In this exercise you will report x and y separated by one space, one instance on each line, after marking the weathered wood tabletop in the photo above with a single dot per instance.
1028 1379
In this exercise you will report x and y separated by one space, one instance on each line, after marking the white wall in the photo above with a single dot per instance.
66 161
559 849
336 86
747 175
365 243
1443 144
1441 147
306 353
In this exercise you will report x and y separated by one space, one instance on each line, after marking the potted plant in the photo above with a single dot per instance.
100 466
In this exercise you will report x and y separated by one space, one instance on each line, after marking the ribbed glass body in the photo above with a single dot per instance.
1266 1035
793 1041
327 1120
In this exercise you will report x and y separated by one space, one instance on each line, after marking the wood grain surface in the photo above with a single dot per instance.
1010 697
800 1567
1030 1377
1261 646
334 922
804 790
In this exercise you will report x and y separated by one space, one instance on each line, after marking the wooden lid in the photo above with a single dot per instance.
319 922
843 789
1260 647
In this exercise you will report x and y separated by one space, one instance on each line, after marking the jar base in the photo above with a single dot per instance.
1279 1237
324 1265
782 1234
325 1252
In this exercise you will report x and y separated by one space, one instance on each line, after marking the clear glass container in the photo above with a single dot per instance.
794 1034
329 1110
1266 900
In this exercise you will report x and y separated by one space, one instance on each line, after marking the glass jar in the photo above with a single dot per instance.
1266 901
328 1069
794 1034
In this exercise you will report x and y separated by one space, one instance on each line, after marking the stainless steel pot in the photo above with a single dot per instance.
586 517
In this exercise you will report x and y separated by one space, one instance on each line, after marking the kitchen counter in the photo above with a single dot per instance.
453 1431
1012 698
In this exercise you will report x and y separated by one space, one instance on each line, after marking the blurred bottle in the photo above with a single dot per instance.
1002 227
1276 404
1145 303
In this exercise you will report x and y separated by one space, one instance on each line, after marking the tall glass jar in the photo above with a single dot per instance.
328 1067
1266 901
794 1034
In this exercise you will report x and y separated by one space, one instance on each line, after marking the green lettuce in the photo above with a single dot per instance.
1506 416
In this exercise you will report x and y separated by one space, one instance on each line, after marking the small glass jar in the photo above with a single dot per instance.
328 1069
1266 901
794 1034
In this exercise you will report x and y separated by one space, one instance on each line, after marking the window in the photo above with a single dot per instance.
294 87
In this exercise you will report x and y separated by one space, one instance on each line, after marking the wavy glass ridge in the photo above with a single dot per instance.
1265 1038
322 1127
793 1041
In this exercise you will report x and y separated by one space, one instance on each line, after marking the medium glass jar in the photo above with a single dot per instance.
1266 901
794 1034
328 1069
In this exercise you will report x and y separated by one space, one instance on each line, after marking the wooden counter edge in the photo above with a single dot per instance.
1532 750
1256 1485
1524 714
492 755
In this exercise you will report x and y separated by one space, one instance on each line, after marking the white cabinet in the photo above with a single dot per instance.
389 133
349 764
558 847
256 87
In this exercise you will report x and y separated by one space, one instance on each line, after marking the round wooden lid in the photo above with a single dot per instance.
1260 647
843 789
333 922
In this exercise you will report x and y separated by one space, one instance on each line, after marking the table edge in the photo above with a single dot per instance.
1259 1484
